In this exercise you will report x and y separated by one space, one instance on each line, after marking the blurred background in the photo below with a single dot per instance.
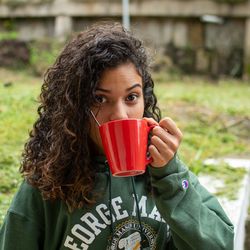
200 53
210 37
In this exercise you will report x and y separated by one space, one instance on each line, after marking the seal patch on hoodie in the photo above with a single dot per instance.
128 236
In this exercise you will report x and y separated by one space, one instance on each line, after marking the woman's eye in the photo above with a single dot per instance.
132 97
100 99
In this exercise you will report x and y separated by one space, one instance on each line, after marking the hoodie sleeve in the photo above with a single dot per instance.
195 217
21 229
19 233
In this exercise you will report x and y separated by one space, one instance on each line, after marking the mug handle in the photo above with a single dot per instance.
149 159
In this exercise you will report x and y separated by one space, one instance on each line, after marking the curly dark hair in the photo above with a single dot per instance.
57 156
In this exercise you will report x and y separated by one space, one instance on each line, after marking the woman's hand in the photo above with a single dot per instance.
165 141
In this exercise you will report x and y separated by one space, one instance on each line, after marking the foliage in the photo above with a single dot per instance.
208 105
43 55
16 3
42 52
17 113
8 35
248 70
230 1
215 120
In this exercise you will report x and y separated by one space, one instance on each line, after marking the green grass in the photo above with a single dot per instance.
213 117
204 111
17 113
215 120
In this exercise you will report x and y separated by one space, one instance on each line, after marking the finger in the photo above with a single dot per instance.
168 124
158 160
150 121
162 139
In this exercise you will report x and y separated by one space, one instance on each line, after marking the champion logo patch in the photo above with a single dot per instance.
184 184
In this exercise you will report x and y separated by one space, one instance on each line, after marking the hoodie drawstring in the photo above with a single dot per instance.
137 208
110 204
110 201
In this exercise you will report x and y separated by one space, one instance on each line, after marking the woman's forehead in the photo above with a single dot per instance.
125 73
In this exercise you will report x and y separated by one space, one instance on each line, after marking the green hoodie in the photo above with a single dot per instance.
180 214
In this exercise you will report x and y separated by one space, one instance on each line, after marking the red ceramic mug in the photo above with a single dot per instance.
125 146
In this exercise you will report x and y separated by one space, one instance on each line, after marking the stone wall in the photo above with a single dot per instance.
162 24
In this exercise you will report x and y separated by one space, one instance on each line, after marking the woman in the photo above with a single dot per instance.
69 200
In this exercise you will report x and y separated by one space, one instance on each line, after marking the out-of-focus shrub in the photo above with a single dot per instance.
43 54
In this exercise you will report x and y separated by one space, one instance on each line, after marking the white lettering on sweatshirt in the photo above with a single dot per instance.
155 215
142 206
83 234
69 243
92 225
103 211
117 207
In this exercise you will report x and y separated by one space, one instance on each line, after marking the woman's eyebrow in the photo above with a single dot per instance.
128 89
103 90
134 86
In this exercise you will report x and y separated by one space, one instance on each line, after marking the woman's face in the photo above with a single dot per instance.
119 95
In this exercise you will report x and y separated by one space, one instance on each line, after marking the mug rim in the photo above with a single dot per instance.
122 120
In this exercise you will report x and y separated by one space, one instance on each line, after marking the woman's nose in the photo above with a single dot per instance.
118 112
